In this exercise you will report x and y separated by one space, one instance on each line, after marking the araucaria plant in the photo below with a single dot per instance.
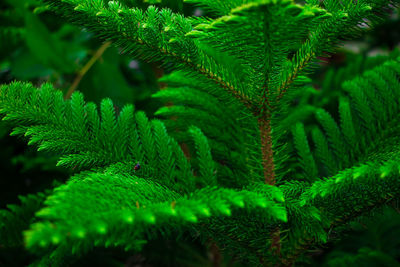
238 160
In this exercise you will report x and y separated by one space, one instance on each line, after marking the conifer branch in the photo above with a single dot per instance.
306 242
327 34
124 27
245 100
298 68
234 186
203 71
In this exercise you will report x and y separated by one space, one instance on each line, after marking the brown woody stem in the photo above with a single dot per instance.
264 124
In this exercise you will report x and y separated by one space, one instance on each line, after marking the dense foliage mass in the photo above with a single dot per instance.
258 151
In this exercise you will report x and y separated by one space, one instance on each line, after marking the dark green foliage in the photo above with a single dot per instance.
247 156
303 150
18 218
374 241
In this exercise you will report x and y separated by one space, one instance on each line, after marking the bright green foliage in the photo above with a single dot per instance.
141 206
86 139
234 160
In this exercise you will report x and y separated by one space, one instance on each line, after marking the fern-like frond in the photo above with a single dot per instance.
372 179
342 198
253 36
368 120
86 138
108 209
343 22
323 154
334 136
155 35
365 185
334 76
198 101
206 164
303 150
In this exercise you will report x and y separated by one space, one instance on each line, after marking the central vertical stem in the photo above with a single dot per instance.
264 124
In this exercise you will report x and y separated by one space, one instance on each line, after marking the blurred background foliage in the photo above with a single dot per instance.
38 46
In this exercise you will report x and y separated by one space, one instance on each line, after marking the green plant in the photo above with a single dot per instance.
368 241
232 162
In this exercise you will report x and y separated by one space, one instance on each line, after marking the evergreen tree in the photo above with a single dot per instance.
239 158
